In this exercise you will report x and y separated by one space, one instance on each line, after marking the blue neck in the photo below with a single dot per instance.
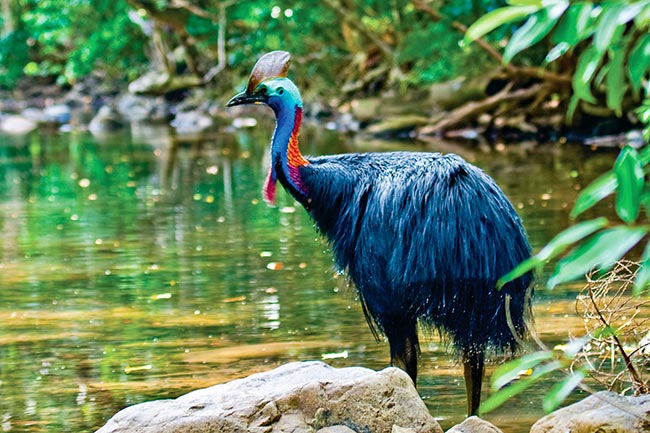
286 159
285 122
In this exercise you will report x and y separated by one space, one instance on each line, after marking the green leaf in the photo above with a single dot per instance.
585 70
497 18
561 390
629 176
638 63
643 275
602 250
519 270
630 11
605 332
557 51
642 19
571 109
615 81
537 3
575 25
607 25
501 396
558 244
597 190
570 236
533 30
509 371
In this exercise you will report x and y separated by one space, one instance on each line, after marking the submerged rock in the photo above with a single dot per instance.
604 412
298 397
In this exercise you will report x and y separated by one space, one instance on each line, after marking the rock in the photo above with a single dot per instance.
336 429
397 125
160 82
191 122
17 125
106 120
137 108
604 412
297 397
33 114
474 424
58 113
398 429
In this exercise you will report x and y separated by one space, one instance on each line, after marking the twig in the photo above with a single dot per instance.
355 23
195 10
638 382
221 45
437 16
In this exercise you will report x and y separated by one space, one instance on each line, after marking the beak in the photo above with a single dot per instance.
246 98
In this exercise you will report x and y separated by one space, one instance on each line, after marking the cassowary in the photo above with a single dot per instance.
424 237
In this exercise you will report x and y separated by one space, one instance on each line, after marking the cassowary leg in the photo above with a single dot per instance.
404 351
474 367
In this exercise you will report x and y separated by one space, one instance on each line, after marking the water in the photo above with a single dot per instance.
144 265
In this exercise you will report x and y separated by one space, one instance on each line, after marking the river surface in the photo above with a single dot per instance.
144 265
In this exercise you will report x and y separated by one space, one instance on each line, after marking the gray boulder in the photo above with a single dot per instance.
603 412
106 120
191 122
137 108
17 125
474 424
57 114
298 397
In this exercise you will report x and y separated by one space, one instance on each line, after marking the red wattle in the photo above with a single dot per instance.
268 192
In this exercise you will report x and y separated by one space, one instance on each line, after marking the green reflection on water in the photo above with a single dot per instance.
142 266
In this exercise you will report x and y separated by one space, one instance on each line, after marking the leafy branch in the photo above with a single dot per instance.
601 245
614 320
609 41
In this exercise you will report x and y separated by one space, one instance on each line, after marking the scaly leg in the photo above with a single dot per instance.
404 353
474 368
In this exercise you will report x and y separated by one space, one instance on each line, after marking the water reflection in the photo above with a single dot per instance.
144 265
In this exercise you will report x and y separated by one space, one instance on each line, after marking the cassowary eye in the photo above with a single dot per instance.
280 91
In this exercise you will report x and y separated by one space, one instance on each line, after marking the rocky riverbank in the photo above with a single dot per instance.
420 115
312 397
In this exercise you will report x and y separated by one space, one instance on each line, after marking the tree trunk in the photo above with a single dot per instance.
7 22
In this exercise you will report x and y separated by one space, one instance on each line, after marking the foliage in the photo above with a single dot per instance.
13 55
598 243
605 46
365 44
68 40
613 352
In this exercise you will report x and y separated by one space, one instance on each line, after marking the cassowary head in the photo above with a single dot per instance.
268 84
